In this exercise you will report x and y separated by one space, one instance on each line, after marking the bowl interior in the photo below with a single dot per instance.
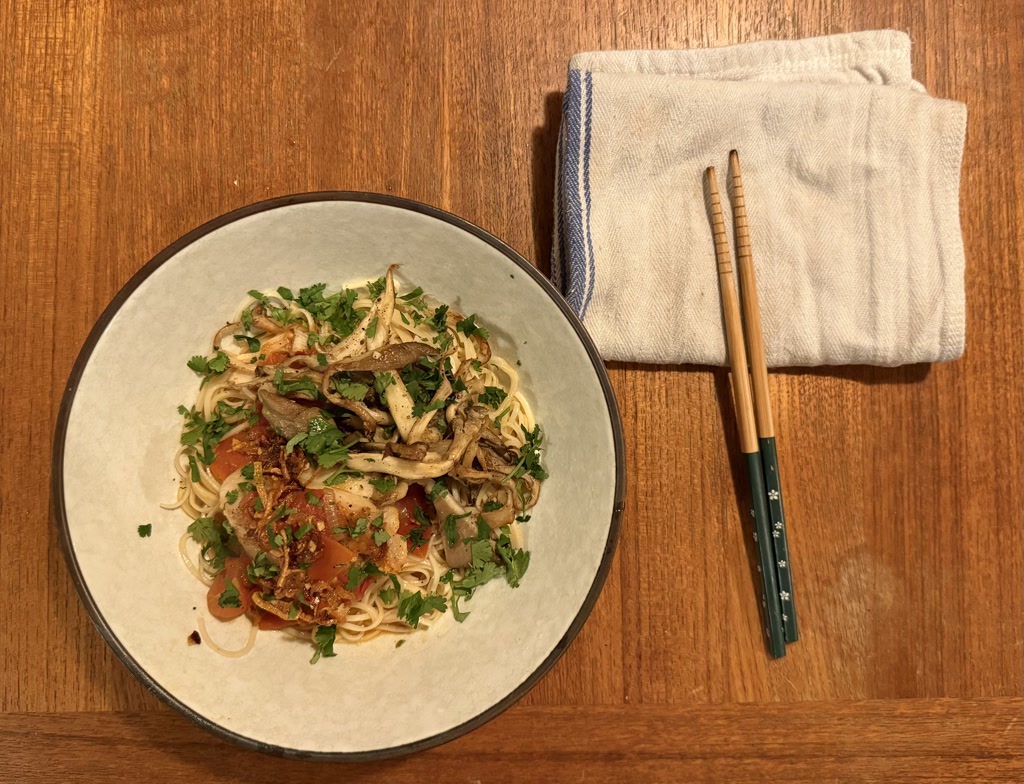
122 429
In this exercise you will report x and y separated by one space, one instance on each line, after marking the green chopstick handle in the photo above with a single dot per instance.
766 559
773 484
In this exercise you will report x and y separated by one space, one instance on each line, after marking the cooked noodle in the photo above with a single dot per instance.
452 407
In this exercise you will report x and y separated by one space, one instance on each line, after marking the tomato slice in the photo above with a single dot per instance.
228 457
407 522
299 501
234 570
332 553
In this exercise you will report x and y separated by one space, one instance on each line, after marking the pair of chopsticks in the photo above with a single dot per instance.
754 417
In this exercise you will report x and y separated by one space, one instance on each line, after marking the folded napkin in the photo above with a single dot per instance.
851 174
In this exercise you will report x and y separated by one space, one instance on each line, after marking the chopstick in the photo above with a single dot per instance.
747 428
762 402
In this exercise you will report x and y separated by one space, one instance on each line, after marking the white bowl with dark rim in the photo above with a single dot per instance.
118 429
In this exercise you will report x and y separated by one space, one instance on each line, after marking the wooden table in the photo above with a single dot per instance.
126 123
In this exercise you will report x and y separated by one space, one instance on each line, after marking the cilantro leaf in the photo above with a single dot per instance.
323 639
262 568
313 499
384 484
439 321
419 409
416 292
469 328
253 344
291 386
439 490
376 287
456 612
381 536
529 461
249 471
145 530
382 382
493 396
217 539
516 561
345 386
247 319
229 597
493 506
371 328
413 605
286 294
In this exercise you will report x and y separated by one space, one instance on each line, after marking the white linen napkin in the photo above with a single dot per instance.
851 174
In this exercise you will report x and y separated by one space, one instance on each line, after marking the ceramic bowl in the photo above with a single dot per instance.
118 429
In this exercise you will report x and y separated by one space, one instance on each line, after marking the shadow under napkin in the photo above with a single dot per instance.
544 148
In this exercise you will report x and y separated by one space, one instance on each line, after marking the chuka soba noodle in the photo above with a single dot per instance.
356 463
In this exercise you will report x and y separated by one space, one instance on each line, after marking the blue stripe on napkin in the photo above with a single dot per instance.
572 257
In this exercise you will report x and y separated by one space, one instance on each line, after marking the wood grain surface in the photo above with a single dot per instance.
125 123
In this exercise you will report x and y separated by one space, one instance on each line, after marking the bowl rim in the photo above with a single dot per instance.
59 510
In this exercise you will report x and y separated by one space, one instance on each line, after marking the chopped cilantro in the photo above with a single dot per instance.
336 309
345 386
302 530
493 506
286 294
291 386
231 496
413 605
493 396
249 471
419 409
458 385
387 595
324 441
321 360
376 287
371 328
293 611
360 527
257 504
194 468
262 568
439 321
313 499
469 328
209 367
529 461
477 366
456 612
357 573
145 530
229 597
276 539
323 639
416 292
516 561
247 319
294 441
253 344
383 381
381 536
439 490
341 475
280 512
259 296
499 417
384 484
